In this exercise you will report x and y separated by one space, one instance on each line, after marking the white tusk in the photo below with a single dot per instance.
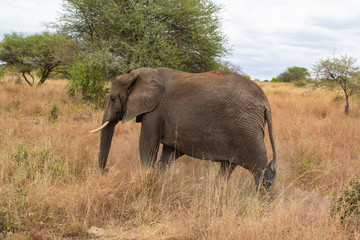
100 128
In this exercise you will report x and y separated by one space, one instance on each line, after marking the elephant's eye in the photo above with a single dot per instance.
112 98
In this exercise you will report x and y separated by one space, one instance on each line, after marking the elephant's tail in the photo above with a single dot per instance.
271 165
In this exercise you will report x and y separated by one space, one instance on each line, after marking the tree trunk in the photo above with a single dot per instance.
44 77
46 73
347 105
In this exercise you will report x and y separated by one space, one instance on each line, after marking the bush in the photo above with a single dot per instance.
301 83
54 113
2 71
347 206
88 77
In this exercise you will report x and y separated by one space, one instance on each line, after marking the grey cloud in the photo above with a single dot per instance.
269 36
342 24
27 16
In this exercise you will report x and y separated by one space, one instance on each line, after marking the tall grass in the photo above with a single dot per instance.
50 187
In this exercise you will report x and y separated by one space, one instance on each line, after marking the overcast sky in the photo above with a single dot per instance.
266 36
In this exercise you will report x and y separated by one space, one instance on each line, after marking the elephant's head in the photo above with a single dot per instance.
130 96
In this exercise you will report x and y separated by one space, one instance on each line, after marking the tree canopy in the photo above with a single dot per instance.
180 34
297 75
342 70
45 52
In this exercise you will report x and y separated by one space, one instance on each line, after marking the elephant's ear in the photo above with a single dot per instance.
146 89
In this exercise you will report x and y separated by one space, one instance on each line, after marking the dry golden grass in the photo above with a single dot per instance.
50 187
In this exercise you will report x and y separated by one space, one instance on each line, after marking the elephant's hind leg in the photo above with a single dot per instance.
263 180
226 169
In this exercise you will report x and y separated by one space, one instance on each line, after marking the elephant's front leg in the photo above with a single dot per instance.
149 142
168 156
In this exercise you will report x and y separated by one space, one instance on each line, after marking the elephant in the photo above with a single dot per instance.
218 116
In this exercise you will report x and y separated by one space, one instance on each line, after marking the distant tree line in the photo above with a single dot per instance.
341 70
97 40
117 37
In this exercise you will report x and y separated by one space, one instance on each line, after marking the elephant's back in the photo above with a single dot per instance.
215 88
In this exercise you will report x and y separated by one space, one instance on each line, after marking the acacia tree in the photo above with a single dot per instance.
13 52
45 52
342 70
181 34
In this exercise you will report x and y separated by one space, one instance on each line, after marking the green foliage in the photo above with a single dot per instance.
180 34
342 70
88 77
348 204
307 160
45 52
297 75
2 71
275 80
15 51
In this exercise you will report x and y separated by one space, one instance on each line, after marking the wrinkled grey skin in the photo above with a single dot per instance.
218 116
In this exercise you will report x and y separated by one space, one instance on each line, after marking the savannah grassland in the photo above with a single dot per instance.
51 188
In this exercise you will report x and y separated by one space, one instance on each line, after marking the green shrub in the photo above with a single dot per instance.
347 206
300 84
20 154
88 78
338 98
54 113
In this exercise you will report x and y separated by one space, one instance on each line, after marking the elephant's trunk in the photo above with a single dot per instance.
105 143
